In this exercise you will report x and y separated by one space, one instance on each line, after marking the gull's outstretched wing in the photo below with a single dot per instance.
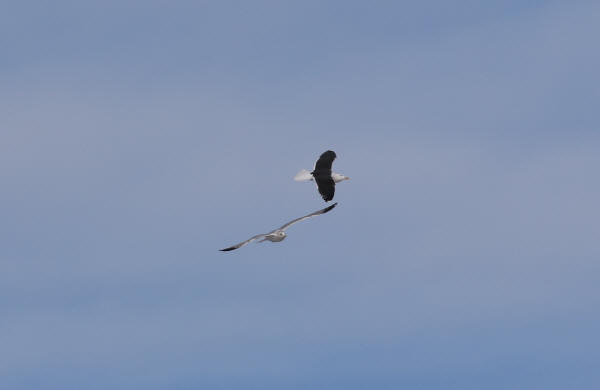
241 244
322 211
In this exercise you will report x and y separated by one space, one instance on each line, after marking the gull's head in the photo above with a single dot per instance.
281 233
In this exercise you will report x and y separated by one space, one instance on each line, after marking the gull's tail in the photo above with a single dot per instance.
303 175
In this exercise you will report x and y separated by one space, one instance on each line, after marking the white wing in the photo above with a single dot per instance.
241 244
322 211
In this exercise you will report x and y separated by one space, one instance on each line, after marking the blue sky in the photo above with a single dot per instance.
138 138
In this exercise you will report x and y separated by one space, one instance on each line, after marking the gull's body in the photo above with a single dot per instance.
323 176
278 235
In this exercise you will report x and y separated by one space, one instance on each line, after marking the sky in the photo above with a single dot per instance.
138 138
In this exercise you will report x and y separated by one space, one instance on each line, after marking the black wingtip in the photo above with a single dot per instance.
227 249
329 208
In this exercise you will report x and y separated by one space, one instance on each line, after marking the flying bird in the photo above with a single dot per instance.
278 234
323 176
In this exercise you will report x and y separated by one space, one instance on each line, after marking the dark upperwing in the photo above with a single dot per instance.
325 161
326 186
322 175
